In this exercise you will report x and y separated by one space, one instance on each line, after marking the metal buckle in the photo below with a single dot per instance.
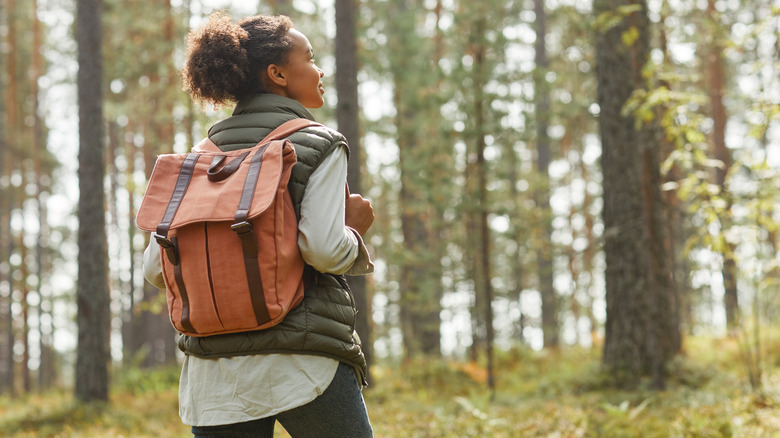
162 241
168 247
242 227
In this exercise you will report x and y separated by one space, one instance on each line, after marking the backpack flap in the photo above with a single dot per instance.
206 200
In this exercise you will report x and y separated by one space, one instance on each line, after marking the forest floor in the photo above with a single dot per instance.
539 394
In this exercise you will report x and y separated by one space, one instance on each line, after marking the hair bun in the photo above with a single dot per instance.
226 61
217 64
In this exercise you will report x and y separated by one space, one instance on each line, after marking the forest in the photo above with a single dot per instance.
576 230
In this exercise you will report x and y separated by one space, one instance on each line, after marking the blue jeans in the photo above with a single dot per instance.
338 412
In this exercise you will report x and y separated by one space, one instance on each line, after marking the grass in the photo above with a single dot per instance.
538 395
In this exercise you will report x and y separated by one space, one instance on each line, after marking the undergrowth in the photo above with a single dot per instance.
538 394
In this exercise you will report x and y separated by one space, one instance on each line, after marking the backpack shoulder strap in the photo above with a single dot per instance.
287 128
282 131
206 145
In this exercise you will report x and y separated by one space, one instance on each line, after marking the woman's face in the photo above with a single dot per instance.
302 77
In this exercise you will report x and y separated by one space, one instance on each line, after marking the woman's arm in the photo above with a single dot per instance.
326 242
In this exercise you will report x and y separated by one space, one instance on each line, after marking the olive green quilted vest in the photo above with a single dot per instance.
324 323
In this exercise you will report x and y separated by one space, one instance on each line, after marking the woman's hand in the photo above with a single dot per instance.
358 213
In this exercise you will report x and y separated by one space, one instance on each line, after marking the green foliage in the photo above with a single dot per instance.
609 20
539 394
56 414
135 380
564 394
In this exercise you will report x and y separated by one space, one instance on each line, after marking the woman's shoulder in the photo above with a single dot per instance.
314 143
321 134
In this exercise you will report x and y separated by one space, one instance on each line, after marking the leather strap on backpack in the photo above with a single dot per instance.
244 228
216 174
246 233
288 128
170 245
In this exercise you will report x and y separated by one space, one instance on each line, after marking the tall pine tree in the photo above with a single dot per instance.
92 285
642 332
348 118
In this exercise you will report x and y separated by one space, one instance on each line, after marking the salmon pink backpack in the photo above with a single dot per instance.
228 234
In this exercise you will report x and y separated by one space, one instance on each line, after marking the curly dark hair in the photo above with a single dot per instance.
226 62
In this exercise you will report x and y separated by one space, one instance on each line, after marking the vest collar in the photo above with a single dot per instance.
272 103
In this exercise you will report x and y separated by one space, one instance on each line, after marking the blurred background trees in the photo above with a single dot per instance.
546 174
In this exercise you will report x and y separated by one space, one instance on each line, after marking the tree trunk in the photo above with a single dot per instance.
543 156
10 157
189 118
150 330
482 248
42 188
715 86
7 363
485 288
164 336
640 331
6 313
420 273
131 326
6 370
92 293
25 304
677 233
518 236
115 227
348 117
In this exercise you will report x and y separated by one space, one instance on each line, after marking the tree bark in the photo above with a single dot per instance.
6 326
92 293
485 288
10 157
543 157
482 243
25 305
519 237
715 86
641 330
131 324
420 273
42 187
675 210
348 119
150 331
160 333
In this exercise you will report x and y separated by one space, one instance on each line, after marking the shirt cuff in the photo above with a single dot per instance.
363 264
153 265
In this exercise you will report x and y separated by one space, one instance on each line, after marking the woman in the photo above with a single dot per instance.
308 371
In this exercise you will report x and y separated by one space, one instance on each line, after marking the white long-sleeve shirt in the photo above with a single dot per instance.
246 388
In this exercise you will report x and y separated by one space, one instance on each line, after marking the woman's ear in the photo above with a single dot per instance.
276 75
